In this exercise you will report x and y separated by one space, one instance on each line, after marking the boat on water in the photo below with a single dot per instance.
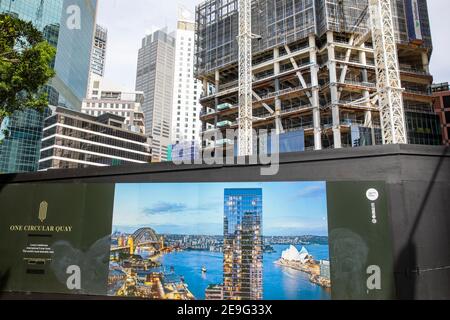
204 270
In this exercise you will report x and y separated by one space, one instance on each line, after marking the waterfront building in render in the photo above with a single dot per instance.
73 139
186 124
325 269
155 75
103 98
20 149
214 292
242 244
309 69
441 93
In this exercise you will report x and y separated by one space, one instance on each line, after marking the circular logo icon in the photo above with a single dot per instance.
372 194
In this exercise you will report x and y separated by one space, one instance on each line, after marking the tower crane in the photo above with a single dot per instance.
390 92
389 95
245 121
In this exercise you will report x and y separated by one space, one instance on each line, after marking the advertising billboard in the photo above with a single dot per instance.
292 240
413 21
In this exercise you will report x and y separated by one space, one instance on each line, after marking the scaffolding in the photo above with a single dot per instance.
311 68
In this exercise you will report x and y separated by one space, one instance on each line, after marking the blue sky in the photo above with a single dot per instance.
289 208
129 20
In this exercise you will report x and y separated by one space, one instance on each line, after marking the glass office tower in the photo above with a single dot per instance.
242 246
73 57
19 151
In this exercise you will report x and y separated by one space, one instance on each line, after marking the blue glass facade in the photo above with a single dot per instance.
292 141
73 58
19 152
423 128
242 247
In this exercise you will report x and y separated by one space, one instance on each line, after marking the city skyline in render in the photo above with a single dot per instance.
290 208
125 34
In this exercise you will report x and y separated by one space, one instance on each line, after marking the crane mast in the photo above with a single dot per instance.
390 92
245 120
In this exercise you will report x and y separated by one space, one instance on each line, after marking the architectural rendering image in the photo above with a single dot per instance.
248 247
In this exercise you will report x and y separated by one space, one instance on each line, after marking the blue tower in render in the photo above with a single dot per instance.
242 246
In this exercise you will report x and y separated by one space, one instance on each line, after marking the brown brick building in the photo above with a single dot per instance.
441 92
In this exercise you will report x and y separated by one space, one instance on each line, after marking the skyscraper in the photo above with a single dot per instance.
19 151
73 56
155 72
242 246
186 124
99 46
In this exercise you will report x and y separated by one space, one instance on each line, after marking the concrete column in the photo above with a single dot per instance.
363 60
425 62
217 80
334 92
369 123
276 71
205 87
276 68
276 64
368 114
216 101
314 69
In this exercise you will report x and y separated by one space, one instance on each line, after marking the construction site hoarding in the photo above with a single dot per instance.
292 240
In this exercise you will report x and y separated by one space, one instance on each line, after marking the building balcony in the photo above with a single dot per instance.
206 112
359 84
209 130
224 106
356 62
417 91
224 124
233 86
414 71
352 122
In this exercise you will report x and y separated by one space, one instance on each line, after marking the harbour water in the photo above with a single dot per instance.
279 283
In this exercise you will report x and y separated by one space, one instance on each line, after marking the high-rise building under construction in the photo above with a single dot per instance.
312 66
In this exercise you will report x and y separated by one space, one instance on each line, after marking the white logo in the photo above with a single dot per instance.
374 279
372 194
74 19
269 158
74 280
